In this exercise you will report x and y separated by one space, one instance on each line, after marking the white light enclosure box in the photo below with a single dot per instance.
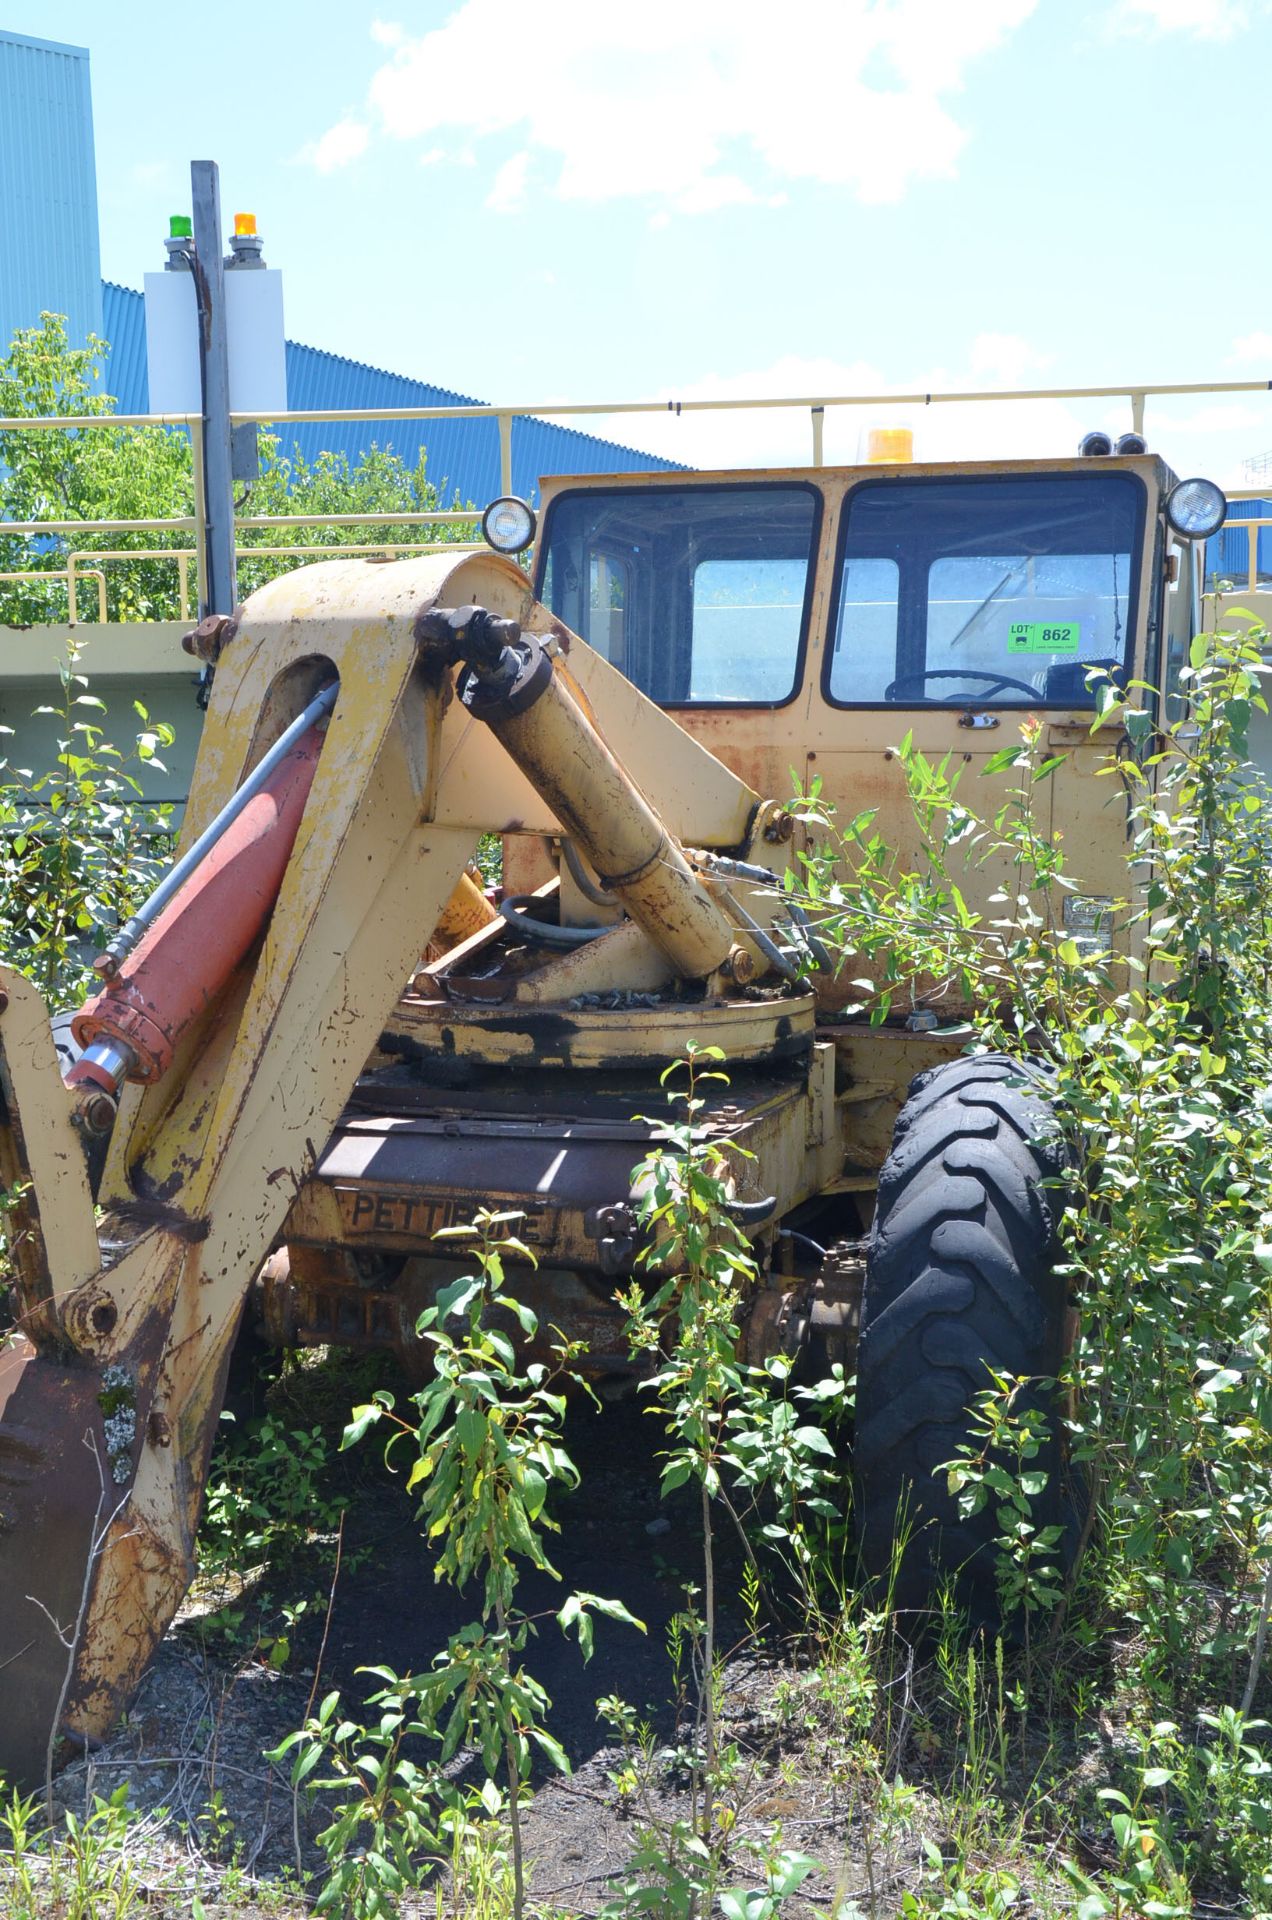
254 323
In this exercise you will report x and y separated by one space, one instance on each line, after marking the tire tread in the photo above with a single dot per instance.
960 1275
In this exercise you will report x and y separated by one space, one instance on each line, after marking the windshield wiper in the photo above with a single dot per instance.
989 599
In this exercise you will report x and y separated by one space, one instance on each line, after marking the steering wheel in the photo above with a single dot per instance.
997 680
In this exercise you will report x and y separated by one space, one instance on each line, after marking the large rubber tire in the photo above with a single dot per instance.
961 1274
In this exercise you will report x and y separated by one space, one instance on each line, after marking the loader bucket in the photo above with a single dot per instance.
57 1493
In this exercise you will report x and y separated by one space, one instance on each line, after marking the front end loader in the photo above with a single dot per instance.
368 724
320 1041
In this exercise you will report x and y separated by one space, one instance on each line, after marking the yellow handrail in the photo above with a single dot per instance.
71 577
182 555
387 548
355 519
1136 393
74 570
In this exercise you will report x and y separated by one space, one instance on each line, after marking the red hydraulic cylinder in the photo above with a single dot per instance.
200 939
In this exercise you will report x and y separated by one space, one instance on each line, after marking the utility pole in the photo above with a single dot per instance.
217 572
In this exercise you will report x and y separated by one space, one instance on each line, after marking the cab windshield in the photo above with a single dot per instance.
700 595
1000 591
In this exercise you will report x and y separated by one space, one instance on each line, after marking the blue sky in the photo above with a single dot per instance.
582 200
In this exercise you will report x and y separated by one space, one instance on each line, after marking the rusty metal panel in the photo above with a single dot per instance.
454 1032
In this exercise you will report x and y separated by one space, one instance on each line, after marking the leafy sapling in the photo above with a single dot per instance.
486 1454
997 1466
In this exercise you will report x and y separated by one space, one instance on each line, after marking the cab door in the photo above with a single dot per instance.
968 611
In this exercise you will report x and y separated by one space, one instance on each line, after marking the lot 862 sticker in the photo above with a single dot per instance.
1043 636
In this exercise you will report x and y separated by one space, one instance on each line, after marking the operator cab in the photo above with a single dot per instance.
986 586
816 629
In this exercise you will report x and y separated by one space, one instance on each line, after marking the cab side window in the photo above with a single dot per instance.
697 594
864 661
745 632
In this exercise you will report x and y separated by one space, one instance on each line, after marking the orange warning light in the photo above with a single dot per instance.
888 446
244 225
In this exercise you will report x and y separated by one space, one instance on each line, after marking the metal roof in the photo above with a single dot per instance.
48 188
461 456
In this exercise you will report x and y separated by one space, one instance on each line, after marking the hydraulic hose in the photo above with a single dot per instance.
545 933
764 876
588 887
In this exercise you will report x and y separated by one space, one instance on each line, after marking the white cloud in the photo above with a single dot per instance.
1252 347
723 190
1223 416
1005 360
344 142
1211 437
508 193
1202 19
388 33
702 105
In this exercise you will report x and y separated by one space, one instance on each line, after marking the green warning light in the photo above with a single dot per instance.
180 227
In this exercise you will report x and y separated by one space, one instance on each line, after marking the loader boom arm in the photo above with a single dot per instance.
110 1391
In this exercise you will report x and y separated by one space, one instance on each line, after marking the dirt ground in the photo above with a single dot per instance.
204 1716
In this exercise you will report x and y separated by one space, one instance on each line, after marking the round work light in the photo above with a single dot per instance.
508 524
1196 508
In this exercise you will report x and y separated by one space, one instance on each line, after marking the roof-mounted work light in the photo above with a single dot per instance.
1196 508
508 524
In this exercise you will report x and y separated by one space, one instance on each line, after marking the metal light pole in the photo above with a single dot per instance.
219 592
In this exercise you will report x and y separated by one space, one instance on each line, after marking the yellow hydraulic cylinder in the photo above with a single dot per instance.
512 686
610 821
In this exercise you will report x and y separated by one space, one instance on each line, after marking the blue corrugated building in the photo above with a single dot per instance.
48 188
49 262
1228 554
462 456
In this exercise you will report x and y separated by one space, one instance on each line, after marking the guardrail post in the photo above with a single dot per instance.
819 422
1137 412
505 453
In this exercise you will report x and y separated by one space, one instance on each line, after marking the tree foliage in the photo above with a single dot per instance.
99 473
1158 1026
146 473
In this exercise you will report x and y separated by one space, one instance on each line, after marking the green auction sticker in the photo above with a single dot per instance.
1040 636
